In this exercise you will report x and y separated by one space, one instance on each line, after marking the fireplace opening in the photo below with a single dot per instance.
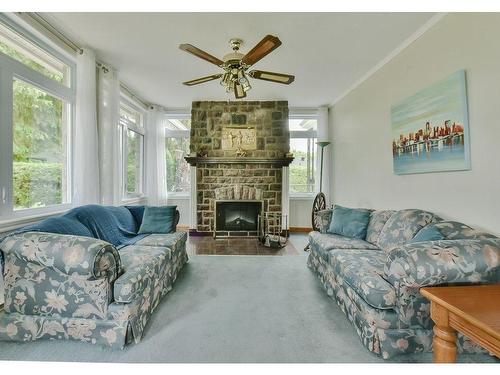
233 218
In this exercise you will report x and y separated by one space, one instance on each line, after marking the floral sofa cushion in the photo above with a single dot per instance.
140 264
363 271
377 222
453 230
325 242
402 226
174 241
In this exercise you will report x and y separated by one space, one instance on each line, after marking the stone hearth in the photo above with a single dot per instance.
222 172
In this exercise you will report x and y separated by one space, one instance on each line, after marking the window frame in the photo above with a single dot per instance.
305 114
170 133
124 125
11 69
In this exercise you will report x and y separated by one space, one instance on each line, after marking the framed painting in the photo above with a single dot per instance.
430 129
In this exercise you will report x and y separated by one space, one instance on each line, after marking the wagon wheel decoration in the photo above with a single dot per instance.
319 204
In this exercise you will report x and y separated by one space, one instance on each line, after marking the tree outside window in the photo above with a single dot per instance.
176 149
302 171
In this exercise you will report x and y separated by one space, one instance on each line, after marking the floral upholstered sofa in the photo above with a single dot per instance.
87 276
376 281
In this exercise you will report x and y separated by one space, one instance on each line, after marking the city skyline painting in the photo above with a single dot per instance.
430 129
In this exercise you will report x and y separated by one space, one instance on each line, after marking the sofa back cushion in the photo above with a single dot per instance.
377 221
158 220
137 212
453 230
402 226
349 222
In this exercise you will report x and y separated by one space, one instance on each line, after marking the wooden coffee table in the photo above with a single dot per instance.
471 310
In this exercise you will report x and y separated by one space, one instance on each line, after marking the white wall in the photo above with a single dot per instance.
300 212
184 207
362 172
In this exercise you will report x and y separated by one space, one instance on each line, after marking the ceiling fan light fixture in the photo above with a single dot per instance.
235 66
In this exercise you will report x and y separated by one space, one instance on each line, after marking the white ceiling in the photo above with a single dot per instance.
327 52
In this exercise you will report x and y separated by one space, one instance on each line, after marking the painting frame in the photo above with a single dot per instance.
430 129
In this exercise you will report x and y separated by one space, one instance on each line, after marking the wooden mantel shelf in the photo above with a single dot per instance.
195 160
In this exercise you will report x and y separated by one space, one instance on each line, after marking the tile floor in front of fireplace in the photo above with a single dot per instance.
204 245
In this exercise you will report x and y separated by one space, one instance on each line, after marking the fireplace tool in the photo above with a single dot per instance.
271 233
319 203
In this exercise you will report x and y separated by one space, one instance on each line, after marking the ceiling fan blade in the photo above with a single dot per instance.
272 77
201 54
239 93
202 80
268 44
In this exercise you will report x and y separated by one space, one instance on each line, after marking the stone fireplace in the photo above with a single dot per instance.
239 153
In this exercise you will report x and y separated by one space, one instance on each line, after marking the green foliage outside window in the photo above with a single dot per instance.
37 184
11 52
177 168
39 155
133 162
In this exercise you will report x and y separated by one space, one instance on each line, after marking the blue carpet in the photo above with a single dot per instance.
234 309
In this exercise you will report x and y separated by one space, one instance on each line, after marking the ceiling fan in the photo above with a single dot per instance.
236 64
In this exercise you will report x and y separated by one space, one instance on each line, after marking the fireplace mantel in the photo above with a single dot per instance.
195 160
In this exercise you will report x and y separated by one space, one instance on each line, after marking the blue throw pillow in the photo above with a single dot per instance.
158 220
349 222
429 233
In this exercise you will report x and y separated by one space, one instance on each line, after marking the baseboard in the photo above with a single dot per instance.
300 230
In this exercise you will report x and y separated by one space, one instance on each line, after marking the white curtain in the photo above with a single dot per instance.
324 135
156 184
85 151
108 117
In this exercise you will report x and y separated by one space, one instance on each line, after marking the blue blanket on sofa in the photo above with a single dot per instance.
116 225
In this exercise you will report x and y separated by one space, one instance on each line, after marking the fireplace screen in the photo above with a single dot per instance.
237 216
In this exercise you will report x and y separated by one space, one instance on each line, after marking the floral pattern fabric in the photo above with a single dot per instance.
174 241
380 291
61 287
363 271
325 242
402 226
453 230
380 330
438 263
140 263
377 222
324 216
85 256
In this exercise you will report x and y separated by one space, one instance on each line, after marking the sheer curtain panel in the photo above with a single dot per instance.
156 181
108 117
86 158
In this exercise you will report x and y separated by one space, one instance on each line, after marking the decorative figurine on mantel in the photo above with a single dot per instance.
203 153
240 153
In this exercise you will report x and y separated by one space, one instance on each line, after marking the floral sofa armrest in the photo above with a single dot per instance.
433 263
57 275
86 257
325 216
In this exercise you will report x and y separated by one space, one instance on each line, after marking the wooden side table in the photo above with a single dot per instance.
471 310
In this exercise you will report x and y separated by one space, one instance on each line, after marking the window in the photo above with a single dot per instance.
302 170
132 131
16 46
176 149
40 170
36 112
